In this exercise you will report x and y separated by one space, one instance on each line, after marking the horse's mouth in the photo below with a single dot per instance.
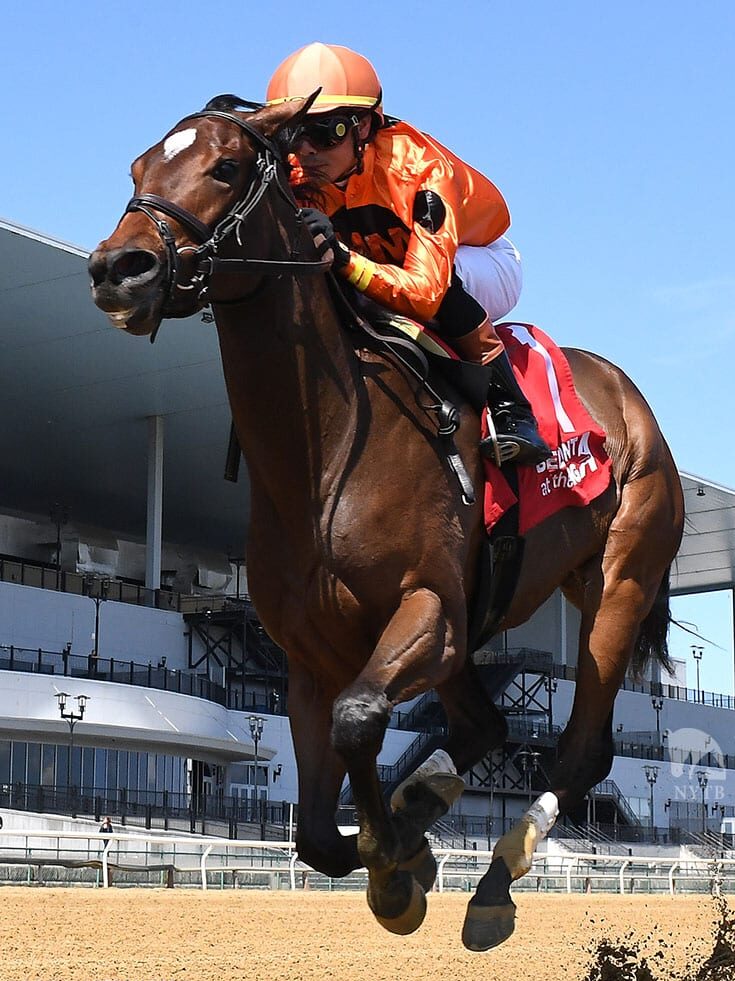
120 318
136 315
140 320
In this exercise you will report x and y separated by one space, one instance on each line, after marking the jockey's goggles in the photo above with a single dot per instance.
323 134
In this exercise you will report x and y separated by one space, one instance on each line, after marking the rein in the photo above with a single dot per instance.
269 171
447 414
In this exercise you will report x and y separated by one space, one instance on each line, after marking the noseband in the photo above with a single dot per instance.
269 169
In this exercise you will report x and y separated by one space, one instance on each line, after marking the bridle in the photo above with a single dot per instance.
269 170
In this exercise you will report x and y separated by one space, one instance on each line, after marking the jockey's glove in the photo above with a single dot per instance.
319 224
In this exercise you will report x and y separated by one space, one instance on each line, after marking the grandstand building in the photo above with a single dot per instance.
135 677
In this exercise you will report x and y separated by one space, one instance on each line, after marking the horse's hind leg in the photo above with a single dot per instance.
416 652
476 727
618 590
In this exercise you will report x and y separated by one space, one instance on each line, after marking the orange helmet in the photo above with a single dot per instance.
346 79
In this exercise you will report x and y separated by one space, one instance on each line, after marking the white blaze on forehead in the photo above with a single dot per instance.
177 142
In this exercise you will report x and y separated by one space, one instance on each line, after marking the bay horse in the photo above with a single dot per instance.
362 556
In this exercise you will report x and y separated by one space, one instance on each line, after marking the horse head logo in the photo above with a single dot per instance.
691 749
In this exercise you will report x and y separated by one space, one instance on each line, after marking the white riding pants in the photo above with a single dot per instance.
492 275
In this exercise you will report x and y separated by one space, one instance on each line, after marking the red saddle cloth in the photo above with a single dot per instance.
579 469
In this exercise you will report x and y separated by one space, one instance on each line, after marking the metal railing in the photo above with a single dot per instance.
88 666
44 576
235 817
566 672
230 817
211 862
608 788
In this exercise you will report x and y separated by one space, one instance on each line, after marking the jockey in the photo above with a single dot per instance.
411 226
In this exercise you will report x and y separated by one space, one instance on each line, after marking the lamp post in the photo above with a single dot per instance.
658 703
256 724
697 653
651 776
530 762
97 598
59 514
550 684
71 717
703 780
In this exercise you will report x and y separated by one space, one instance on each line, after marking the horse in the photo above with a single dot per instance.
362 554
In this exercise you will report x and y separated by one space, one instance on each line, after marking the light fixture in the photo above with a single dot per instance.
71 718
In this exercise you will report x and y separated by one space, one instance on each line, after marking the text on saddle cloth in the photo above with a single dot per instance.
579 468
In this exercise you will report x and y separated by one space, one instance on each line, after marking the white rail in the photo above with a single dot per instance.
199 855
591 866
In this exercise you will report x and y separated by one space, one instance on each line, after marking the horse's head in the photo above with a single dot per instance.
195 192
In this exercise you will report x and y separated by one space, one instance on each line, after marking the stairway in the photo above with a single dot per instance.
609 789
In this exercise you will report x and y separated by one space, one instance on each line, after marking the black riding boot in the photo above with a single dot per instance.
517 436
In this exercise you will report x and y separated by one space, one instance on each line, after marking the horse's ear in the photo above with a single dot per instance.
273 119
226 103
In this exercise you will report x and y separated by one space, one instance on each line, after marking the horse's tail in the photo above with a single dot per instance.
652 639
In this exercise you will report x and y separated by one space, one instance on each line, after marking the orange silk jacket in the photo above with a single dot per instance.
404 216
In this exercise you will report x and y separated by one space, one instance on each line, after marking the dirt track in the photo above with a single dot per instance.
175 935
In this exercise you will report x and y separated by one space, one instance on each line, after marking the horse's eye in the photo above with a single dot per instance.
226 171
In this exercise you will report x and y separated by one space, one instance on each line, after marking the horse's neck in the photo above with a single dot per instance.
291 377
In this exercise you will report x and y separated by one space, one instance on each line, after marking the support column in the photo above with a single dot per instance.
154 512
563 627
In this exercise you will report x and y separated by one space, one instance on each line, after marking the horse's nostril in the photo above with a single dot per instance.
97 268
131 265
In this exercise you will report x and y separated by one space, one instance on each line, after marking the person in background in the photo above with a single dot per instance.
410 225
107 829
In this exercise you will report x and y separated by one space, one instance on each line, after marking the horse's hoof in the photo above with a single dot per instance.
422 867
405 893
448 787
488 926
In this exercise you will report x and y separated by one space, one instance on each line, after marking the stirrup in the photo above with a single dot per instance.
502 452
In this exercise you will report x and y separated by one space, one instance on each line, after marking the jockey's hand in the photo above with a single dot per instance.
319 224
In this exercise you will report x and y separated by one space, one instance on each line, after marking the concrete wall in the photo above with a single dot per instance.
34 618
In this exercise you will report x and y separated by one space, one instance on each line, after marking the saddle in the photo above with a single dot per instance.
515 499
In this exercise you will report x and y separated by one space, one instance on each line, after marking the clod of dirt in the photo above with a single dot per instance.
622 960
720 965
619 962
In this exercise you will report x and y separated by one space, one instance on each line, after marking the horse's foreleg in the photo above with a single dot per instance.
414 654
321 772
476 727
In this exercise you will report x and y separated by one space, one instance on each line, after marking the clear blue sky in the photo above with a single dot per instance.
610 128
